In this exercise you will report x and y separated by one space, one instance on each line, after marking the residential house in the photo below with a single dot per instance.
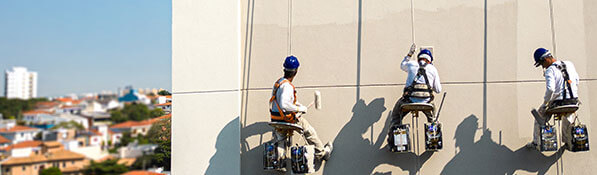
22 149
19 133
97 118
164 99
133 127
7 123
133 150
134 97
51 155
34 113
4 142
59 134
84 121
137 127
49 106
89 138
43 121
70 109
166 107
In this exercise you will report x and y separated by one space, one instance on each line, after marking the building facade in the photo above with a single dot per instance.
20 83
351 51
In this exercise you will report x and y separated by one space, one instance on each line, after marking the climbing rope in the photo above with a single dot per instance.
289 34
412 19
553 42
553 31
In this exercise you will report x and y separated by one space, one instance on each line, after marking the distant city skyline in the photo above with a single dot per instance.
88 46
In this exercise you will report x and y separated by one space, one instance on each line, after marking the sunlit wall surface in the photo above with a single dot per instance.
351 52
226 57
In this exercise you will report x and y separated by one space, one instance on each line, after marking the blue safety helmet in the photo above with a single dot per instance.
540 55
426 52
291 62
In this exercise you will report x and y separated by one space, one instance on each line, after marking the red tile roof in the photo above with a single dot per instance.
164 104
4 140
17 128
95 132
59 155
153 120
64 100
129 124
68 107
46 104
25 144
35 112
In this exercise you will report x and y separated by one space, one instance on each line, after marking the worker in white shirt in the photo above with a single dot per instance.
284 108
561 82
422 81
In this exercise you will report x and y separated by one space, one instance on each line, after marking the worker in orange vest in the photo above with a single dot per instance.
284 108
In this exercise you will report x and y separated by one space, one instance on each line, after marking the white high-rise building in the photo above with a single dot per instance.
20 83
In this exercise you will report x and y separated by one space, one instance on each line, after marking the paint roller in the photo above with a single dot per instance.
317 101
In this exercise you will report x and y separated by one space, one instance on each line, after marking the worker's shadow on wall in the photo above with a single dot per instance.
354 154
226 150
488 157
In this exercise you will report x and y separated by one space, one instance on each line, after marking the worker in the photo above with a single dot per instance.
422 81
284 108
561 81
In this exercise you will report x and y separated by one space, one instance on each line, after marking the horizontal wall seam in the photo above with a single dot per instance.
207 92
370 85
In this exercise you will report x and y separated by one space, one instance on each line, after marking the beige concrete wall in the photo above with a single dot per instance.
205 85
351 51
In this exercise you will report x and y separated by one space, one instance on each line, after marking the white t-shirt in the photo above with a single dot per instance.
554 82
412 67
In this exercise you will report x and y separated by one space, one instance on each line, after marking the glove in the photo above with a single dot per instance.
412 50
302 109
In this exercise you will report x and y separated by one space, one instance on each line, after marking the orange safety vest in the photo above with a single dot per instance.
289 117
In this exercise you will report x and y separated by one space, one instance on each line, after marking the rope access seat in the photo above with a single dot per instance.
286 126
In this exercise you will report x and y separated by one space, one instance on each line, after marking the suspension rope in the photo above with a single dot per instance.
412 19
289 34
553 30
553 42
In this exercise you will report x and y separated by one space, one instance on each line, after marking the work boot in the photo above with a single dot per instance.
327 151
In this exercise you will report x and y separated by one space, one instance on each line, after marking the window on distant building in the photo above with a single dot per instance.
63 164
23 168
7 170
73 162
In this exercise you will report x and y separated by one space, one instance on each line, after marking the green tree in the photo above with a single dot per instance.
164 92
162 154
160 133
50 171
117 117
16 107
110 167
133 111
126 139
157 112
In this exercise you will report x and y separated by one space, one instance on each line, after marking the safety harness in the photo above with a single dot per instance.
567 81
281 116
419 90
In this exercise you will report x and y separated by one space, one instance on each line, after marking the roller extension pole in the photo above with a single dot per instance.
440 106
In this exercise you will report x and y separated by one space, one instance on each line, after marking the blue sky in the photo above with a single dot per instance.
88 46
